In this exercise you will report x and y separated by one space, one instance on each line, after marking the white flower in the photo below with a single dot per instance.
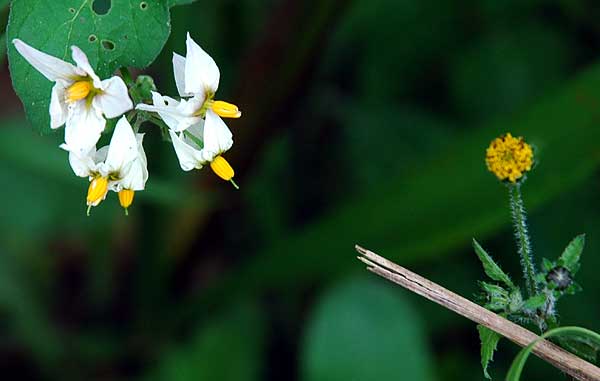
197 77
204 143
121 166
79 98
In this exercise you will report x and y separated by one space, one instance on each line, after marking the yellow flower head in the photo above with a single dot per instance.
509 158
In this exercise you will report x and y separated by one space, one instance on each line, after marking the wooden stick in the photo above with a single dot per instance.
558 357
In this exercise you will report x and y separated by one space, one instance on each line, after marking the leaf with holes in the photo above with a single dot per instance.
111 33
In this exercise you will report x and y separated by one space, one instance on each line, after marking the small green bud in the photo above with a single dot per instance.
144 85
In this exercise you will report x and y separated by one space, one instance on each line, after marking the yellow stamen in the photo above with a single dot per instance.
126 198
226 110
222 168
97 190
79 90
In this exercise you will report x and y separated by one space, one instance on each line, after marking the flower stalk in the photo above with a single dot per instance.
519 220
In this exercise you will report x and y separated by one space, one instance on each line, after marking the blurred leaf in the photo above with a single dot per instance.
25 315
489 343
416 133
131 33
514 373
230 347
508 69
490 267
442 203
364 330
569 259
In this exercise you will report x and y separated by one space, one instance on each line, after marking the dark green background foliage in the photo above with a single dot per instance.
366 122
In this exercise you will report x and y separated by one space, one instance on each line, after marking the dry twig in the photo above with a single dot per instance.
558 357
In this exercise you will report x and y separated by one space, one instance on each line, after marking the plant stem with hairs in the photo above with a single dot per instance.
522 236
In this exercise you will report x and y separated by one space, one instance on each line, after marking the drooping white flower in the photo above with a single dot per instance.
203 144
79 98
121 166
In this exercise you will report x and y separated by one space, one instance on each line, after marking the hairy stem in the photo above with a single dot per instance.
522 236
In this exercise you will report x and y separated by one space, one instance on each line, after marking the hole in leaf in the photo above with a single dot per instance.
101 7
143 5
72 10
92 38
108 45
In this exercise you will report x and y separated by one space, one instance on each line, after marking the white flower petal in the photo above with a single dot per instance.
123 147
83 127
114 100
50 67
100 156
217 137
82 165
177 115
179 74
137 174
201 71
189 158
58 106
82 62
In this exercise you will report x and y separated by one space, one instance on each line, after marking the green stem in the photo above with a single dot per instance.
522 236
126 76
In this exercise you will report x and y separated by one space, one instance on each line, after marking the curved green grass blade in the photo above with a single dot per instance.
514 373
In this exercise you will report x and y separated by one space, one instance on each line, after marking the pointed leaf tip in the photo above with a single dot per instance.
490 267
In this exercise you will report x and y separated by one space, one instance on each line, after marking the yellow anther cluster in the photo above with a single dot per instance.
226 110
222 168
79 90
509 158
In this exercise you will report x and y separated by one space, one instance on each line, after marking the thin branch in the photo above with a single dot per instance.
558 357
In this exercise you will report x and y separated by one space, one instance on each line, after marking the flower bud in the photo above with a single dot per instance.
561 277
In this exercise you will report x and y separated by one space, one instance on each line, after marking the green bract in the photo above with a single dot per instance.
130 33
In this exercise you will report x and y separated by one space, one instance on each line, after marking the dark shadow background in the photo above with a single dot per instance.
364 121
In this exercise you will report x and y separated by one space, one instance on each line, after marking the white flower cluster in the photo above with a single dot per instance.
82 102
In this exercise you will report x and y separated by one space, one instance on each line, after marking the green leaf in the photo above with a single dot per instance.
535 302
490 267
497 296
365 330
569 259
489 343
547 264
514 373
131 33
